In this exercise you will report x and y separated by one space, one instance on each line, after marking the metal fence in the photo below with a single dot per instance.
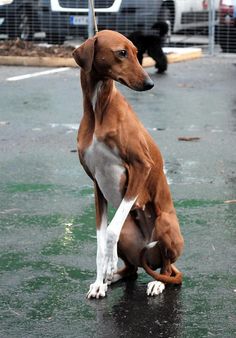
208 23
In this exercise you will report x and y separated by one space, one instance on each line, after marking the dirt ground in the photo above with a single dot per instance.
27 48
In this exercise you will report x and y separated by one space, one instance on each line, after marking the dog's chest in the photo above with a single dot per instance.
107 168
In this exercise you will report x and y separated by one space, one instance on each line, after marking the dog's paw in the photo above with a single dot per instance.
97 290
155 288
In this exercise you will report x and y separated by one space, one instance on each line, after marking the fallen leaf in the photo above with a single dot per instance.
230 201
4 123
189 139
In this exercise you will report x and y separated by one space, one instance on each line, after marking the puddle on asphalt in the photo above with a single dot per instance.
48 262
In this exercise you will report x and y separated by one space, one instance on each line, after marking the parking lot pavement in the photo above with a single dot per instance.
48 243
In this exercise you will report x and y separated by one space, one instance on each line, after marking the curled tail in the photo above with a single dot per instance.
176 276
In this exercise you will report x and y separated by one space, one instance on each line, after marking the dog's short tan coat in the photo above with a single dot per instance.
126 166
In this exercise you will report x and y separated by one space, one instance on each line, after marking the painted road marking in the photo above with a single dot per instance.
46 72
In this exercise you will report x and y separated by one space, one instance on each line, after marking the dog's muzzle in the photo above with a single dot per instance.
148 84
144 85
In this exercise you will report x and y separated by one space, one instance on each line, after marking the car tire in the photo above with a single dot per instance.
55 39
27 19
25 25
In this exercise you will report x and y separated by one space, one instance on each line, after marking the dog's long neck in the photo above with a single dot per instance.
98 95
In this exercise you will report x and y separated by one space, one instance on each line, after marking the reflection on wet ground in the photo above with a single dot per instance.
47 220
48 262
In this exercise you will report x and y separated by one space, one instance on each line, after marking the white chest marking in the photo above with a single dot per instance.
96 93
107 168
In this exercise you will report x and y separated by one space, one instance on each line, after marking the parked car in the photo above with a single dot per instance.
193 14
19 18
60 18
24 18
227 25
124 16
127 16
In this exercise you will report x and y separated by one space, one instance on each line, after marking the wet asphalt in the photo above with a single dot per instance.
47 220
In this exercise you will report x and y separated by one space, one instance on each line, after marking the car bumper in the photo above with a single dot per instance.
5 15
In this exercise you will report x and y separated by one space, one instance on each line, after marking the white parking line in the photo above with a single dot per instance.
46 72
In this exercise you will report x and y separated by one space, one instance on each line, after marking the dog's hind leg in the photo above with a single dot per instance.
169 273
156 52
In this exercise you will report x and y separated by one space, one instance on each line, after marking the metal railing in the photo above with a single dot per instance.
208 23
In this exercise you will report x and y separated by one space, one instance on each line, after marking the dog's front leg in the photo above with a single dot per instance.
99 288
139 167
113 234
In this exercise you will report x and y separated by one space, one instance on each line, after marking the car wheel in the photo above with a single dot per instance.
25 23
56 39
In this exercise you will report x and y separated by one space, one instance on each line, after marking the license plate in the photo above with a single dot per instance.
79 20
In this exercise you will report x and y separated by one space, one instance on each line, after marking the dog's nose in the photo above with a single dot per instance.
148 84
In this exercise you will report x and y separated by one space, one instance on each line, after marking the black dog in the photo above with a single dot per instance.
152 45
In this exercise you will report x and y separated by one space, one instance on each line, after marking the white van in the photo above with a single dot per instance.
191 14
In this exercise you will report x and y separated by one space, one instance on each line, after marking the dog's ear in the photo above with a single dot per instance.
84 54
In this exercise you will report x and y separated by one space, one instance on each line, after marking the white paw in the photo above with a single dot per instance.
97 290
155 288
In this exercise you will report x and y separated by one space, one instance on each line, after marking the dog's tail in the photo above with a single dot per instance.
176 276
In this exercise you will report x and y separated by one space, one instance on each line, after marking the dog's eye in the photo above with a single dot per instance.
122 53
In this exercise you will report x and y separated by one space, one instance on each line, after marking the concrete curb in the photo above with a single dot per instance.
36 61
176 55
173 55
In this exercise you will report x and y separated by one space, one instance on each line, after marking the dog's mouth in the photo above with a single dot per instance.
122 81
145 85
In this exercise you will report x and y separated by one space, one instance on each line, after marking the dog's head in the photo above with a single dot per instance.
111 55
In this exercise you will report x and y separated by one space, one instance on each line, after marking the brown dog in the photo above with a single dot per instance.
126 166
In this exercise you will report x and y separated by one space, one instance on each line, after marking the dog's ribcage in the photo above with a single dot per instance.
106 167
